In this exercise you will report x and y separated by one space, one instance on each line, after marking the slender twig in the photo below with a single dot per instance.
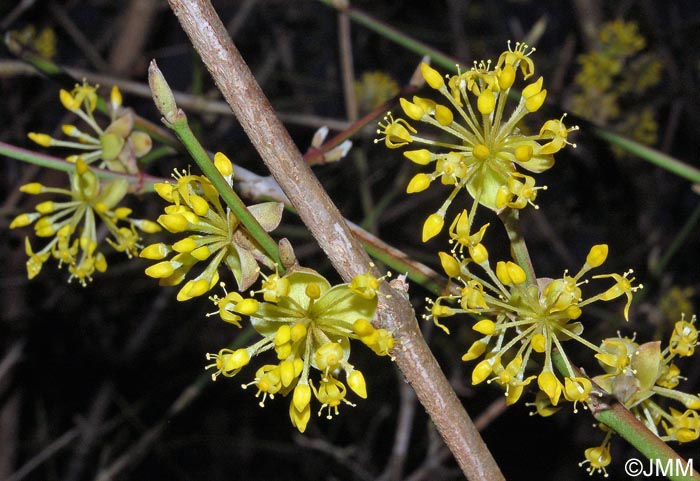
652 155
138 182
55 446
510 217
688 228
177 121
392 34
624 423
268 135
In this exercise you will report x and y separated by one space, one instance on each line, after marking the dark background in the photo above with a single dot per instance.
107 381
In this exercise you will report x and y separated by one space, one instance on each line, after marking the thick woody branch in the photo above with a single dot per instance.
249 104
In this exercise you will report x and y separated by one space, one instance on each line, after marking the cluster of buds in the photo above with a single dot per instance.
488 146
308 324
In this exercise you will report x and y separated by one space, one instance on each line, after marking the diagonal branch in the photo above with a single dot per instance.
252 109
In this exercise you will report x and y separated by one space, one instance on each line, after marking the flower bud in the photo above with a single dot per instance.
412 110
418 183
432 226
162 95
432 77
443 115
485 326
597 255
420 157
223 164
450 265
302 396
356 381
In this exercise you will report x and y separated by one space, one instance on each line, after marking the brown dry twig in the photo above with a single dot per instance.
233 77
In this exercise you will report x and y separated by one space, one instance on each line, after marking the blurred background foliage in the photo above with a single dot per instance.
107 381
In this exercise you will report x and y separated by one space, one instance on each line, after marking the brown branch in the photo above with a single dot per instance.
252 109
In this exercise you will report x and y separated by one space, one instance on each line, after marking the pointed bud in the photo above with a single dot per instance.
534 103
420 157
302 396
223 164
41 139
418 183
597 255
356 381
32 188
482 371
162 95
412 110
432 77
485 326
155 252
474 351
443 115
450 265
432 226
161 270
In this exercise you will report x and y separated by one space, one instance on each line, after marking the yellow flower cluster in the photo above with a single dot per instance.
613 84
640 376
72 224
488 146
117 147
308 324
43 41
518 318
215 235
373 89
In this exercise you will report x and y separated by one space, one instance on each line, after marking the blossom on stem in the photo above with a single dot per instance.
307 324
645 379
72 224
488 145
518 320
214 235
117 147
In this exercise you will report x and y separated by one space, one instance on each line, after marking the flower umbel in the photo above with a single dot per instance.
117 146
519 320
72 224
308 324
488 145
215 234
645 379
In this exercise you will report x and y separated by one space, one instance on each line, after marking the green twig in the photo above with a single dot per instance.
176 120
393 34
518 248
624 423
651 155
688 228
138 182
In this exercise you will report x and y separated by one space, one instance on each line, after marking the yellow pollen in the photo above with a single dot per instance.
481 152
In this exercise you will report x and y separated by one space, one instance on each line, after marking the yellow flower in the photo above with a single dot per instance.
72 224
488 145
521 320
598 458
643 377
117 147
684 338
373 89
683 427
43 41
216 236
308 324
